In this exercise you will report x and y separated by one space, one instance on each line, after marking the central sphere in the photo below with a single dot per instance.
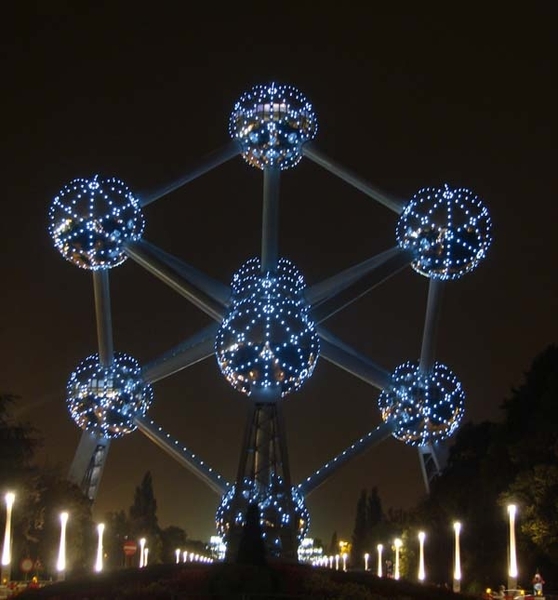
271 123
267 342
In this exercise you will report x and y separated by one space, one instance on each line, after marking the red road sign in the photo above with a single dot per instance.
130 547
26 565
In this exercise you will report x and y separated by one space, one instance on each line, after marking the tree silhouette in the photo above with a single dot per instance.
143 517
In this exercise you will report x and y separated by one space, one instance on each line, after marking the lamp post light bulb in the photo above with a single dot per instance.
398 543
142 554
366 558
513 571
99 561
7 548
380 548
61 563
421 572
457 559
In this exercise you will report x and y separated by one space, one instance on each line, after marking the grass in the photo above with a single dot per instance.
277 581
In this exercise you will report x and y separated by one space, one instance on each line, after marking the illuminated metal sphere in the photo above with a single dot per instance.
275 512
91 219
426 407
271 123
267 342
104 400
448 230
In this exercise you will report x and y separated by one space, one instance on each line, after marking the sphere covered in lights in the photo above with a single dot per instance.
90 220
449 231
267 343
427 407
105 399
271 123
279 513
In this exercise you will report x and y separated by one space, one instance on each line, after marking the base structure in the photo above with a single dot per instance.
263 478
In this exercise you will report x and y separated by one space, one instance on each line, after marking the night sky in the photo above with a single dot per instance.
405 97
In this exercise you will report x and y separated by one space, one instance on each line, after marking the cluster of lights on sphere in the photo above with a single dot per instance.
448 231
105 400
274 506
267 341
271 123
426 407
90 220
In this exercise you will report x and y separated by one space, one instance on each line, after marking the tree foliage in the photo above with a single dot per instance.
491 465
143 518
18 442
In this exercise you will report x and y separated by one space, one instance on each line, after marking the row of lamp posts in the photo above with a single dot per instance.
512 570
61 562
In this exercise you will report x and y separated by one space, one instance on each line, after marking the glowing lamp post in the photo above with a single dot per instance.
398 543
337 562
99 561
380 548
142 553
457 561
366 559
421 574
345 556
512 572
177 554
61 562
146 555
7 549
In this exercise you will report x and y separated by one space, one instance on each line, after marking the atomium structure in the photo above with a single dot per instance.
268 330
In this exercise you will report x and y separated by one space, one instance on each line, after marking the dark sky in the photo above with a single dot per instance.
407 96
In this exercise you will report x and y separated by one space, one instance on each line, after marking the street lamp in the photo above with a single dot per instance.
7 549
345 555
421 574
380 548
61 563
457 565
146 553
177 554
366 558
99 561
142 557
398 543
337 562
512 573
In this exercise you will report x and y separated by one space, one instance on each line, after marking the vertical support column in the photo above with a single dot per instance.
430 454
103 315
430 325
263 473
90 457
270 219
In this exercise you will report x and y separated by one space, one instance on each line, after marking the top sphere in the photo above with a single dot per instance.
271 123
449 232
91 219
